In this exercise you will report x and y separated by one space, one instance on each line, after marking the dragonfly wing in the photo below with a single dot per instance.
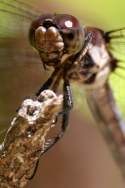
116 45
116 42
20 67
15 19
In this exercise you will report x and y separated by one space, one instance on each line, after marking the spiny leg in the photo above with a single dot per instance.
67 106
46 85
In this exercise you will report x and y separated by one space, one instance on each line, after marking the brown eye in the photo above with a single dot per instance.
67 22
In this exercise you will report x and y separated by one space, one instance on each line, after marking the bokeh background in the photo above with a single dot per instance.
81 158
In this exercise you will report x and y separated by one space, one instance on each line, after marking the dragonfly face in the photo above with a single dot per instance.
56 37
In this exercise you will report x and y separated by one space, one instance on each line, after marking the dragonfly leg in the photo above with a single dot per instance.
46 85
67 101
67 106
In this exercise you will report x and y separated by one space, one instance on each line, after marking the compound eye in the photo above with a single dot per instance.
67 22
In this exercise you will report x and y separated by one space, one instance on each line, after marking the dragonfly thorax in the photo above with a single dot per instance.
94 66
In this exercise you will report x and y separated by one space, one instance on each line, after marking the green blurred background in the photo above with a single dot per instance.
81 159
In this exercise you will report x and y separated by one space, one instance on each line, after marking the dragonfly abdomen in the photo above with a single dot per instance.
109 121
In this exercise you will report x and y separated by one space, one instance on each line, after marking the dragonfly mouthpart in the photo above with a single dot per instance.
48 39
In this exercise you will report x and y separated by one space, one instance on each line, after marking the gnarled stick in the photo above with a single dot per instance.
25 138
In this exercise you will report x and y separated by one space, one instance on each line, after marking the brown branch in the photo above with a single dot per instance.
25 138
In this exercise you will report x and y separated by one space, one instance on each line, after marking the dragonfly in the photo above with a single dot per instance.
78 53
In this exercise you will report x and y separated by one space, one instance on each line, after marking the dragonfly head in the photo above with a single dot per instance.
56 35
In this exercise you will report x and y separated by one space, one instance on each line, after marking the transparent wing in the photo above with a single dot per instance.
15 19
20 66
116 44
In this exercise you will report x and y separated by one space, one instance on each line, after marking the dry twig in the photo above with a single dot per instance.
25 138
